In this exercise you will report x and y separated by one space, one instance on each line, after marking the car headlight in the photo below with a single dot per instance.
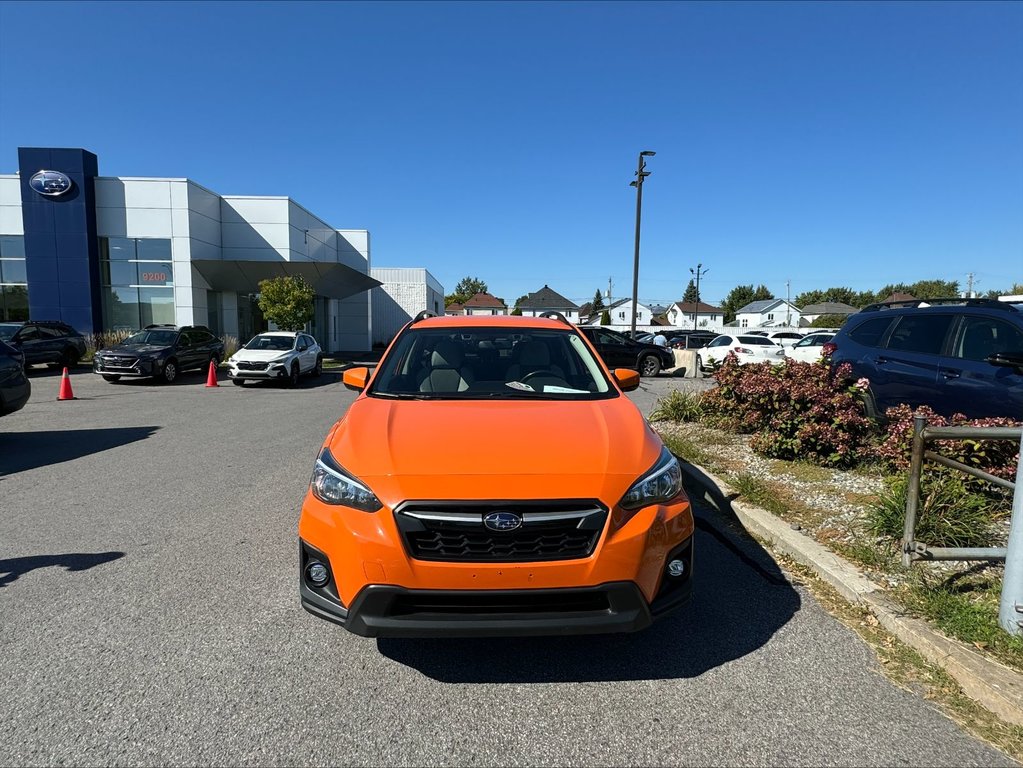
662 483
332 485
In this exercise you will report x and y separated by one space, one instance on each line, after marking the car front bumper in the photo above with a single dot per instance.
139 369
272 373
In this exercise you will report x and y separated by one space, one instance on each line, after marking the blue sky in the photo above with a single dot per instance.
824 143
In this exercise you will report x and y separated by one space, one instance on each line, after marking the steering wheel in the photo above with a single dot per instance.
540 372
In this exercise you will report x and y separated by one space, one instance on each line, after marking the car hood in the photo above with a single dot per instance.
260 355
134 349
520 449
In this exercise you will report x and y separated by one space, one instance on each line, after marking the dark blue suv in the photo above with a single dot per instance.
954 355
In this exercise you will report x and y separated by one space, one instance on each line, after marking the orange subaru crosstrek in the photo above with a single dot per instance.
492 479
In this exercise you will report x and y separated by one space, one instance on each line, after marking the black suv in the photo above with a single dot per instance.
160 351
45 341
619 351
954 355
14 385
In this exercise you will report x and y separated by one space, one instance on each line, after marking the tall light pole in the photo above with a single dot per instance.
638 184
698 271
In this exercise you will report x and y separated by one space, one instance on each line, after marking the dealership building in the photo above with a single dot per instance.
109 253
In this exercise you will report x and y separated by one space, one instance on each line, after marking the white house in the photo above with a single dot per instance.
685 315
485 304
769 313
621 315
548 300
402 294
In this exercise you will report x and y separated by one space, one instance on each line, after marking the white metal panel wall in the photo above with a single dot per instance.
11 222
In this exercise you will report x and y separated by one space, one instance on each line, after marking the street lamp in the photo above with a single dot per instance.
698 271
638 184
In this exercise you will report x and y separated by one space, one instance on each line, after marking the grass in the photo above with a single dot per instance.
688 450
802 471
757 492
679 406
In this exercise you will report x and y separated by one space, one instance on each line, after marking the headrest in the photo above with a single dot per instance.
447 354
534 354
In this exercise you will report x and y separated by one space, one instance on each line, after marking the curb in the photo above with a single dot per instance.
991 684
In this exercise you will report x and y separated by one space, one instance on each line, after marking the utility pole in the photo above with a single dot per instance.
698 271
788 308
969 285
641 174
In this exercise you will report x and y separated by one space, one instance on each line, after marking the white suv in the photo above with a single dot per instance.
276 356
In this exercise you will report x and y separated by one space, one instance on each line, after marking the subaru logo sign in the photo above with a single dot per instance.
502 521
50 183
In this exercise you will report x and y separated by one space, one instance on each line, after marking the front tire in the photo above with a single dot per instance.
318 368
293 378
649 366
111 377
238 382
170 371
699 364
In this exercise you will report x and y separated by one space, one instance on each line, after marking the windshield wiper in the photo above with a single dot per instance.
404 395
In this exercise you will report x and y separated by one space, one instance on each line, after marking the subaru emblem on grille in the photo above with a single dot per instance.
502 521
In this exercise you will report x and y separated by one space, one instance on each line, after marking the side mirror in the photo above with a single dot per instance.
627 379
1007 360
355 378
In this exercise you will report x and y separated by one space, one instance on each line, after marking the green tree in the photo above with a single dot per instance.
829 321
467 288
605 318
740 296
838 295
287 302
517 310
690 297
922 289
1016 290
598 302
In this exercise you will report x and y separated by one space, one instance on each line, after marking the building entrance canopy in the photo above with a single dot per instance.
335 281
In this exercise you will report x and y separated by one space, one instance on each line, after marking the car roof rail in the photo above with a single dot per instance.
423 315
553 315
949 301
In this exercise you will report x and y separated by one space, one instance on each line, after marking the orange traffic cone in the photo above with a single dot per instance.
65 388
211 380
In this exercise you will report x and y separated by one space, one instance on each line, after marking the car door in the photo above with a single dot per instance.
804 350
30 341
190 350
716 350
968 383
907 366
616 350
305 360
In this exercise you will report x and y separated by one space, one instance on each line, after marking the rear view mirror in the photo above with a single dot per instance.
627 379
355 378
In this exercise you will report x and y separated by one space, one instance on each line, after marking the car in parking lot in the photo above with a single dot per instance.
161 352
276 356
783 338
15 388
746 348
952 355
568 517
810 348
45 342
619 351
691 339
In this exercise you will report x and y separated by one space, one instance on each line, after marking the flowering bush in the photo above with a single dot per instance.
998 457
795 410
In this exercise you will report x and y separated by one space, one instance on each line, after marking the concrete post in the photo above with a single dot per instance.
1010 611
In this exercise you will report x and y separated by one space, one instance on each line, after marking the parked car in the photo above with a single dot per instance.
45 342
810 348
524 536
691 339
953 355
782 338
619 351
160 351
276 356
748 349
15 388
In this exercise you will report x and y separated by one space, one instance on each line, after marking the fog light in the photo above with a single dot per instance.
676 568
317 574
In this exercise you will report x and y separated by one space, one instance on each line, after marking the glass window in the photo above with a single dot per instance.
119 272
986 336
870 333
13 271
12 247
13 303
116 248
156 306
121 308
155 273
153 249
214 310
920 333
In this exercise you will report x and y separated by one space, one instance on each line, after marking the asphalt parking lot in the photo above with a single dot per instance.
149 614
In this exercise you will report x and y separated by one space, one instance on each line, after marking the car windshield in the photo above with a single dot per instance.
281 343
477 363
156 338
7 330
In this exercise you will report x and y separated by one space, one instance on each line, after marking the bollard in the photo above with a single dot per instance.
913 490
1010 609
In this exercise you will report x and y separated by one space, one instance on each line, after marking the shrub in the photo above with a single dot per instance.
678 406
998 457
230 345
795 410
97 341
949 514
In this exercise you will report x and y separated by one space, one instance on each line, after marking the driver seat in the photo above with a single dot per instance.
446 372
532 356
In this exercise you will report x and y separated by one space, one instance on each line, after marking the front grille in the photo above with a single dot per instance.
243 366
119 362
455 532
558 601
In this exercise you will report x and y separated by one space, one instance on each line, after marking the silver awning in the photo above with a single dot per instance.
330 279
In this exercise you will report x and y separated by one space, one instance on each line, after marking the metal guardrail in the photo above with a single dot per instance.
1011 607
